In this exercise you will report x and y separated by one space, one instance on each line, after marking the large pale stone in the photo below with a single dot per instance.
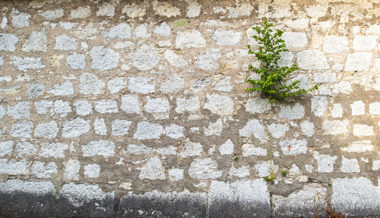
19 19
214 128
191 104
189 39
80 194
100 127
325 162
312 60
204 169
296 111
191 149
37 41
63 89
21 110
335 127
121 31
22 129
145 58
44 170
226 37
6 148
356 197
8 42
83 107
307 128
278 130
65 43
241 10
226 148
163 29
130 104
54 150
165 9
75 128
293 146
53 14
146 130
253 127
300 203
12 167
295 39
27 63
257 105
120 127
335 44
141 85
106 9
174 59
25 149
46 130
349 165
135 10
364 42
219 104
359 146
359 61
251 198
361 130
319 105
99 148
374 108
106 106
152 170
104 58
92 170
90 84
80 12
76 61
208 60
250 149
173 84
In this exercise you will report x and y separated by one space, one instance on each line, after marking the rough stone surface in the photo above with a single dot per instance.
27 63
229 37
204 169
99 148
137 109
146 130
121 31
75 128
46 130
219 104
252 195
120 127
91 84
103 58
152 170
8 42
355 196
253 127
190 39
208 60
359 61
296 111
37 41
65 43
295 39
76 61
335 44
312 60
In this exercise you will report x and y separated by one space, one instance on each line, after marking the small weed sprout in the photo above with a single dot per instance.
283 173
272 83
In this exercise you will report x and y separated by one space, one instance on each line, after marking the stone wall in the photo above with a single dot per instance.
138 109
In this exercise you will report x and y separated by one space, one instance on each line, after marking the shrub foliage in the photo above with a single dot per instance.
272 83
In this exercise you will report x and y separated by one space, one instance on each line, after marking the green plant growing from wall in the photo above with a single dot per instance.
272 83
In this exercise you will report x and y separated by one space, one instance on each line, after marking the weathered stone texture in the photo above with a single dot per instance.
137 109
